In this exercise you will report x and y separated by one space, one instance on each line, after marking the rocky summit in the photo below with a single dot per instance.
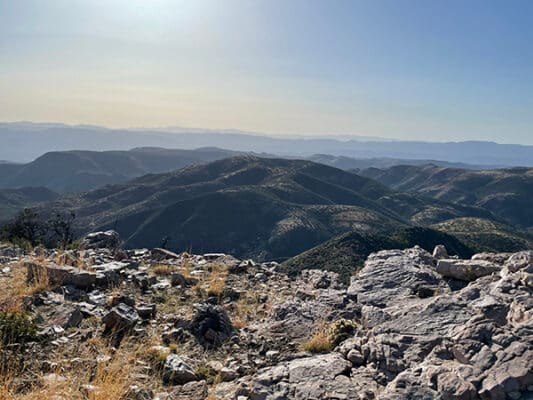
106 323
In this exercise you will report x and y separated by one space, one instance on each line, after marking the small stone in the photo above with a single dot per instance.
355 357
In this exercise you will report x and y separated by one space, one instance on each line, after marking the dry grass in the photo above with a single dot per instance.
15 285
217 281
40 282
320 342
186 267
105 380
64 258
163 269
248 308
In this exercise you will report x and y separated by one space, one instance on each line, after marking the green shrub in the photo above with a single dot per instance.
16 327
340 330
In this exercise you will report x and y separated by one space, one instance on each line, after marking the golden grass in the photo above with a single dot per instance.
217 281
163 269
247 309
320 342
15 285
105 380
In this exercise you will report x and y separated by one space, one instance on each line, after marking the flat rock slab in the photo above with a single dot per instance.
466 270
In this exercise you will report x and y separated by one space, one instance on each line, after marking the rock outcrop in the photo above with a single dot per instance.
99 240
410 325
421 337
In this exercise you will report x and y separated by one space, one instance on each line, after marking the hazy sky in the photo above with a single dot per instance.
431 69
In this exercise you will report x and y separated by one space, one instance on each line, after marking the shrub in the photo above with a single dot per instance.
340 330
205 372
16 327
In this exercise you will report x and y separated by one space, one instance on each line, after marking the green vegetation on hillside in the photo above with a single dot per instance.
505 192
346 253
485 235
261 208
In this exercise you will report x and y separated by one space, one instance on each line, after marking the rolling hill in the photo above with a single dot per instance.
71 171
252 207
506 192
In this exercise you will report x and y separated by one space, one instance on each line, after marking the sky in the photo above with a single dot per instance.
420 70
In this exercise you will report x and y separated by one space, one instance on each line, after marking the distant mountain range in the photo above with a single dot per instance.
23 142
507 192
82 170
263 208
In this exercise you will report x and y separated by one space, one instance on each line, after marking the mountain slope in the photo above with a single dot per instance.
250 206
70 171
14 200
356 164
507 192
485 235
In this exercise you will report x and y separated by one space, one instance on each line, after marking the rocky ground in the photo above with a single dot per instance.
104 323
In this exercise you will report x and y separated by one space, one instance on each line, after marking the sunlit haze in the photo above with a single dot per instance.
423 70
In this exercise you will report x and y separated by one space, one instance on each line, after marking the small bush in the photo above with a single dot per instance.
16 327
340 330
157 356
205 372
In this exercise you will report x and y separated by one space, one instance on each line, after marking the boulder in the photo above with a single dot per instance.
177 279
177 372
392 276
318 377
159 254
495 258
466 270
120 319
99 240
146 311
519 261
512 376
66 316
194 390
440 251
211 325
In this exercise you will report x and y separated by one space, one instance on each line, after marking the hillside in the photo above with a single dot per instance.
356 164
346 253
252 207
505 192
14 200
485 235
70 171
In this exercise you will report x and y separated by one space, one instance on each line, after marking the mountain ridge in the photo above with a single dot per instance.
54 137
294 205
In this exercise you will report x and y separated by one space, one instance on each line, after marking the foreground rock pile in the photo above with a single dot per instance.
410 325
